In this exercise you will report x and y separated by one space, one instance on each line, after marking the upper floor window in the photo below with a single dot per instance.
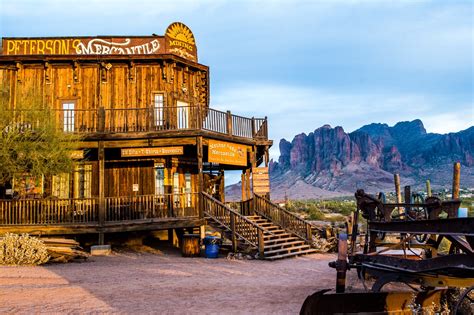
158 109
68 116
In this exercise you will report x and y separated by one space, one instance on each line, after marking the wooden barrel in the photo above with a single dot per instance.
191 245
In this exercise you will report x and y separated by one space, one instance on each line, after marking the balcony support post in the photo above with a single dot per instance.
253 127
200 176
229 123
101 119
102 209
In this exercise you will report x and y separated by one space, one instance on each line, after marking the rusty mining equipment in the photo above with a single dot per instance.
420 244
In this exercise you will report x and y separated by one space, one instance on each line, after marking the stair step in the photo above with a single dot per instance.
276 235
262 221
275 231
280 240
251 217
294 254
267 224
292 243
286 250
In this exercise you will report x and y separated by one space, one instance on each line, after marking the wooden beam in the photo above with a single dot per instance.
398 193
101 188
200 174
456 180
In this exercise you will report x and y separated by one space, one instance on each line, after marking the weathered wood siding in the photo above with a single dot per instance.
108 84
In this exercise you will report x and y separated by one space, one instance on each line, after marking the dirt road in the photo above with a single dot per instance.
142 283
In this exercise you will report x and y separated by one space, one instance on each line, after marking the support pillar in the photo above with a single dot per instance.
102 210
398 193
456 180
200 175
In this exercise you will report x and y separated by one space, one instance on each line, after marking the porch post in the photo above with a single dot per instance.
267 162
101 190
200 175
244 185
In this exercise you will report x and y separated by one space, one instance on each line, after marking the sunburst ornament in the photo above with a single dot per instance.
180 41
180 32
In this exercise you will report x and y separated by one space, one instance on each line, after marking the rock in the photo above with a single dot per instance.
101 250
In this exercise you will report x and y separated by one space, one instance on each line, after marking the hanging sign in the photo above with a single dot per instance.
260 180
227 153
153 151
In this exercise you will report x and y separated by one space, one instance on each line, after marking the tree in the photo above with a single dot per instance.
32 141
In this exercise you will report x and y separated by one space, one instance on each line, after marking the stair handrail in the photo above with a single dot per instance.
257 237
286 219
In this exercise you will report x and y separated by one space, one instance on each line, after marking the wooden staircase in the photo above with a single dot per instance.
272 239
280 244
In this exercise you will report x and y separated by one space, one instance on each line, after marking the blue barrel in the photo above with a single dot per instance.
212 245
462 213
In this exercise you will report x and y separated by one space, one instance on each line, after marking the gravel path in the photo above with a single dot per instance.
139 283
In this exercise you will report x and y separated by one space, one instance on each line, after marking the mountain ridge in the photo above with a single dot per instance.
332 160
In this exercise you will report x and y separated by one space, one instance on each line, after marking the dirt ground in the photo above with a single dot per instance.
165 283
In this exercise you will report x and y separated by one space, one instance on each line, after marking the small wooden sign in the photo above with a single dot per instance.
153 151
260 180
227 153
77 154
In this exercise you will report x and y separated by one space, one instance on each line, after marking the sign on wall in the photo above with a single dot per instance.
156 151
84 46
178 40
260 180
227 153
77 154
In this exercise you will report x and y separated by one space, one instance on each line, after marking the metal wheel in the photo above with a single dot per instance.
465 304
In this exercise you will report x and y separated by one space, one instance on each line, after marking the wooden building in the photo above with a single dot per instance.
150 144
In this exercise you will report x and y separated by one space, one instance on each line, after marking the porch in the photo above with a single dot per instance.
90 215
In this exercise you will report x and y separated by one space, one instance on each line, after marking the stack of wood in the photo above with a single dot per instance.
64 250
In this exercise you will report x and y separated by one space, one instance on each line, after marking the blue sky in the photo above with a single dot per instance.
301 63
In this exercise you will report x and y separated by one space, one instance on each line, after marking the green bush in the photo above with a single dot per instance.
22 250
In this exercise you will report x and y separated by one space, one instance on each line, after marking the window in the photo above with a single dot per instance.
158 107
60 186
187 188
159 179
68 117
83 181
182 113
176 189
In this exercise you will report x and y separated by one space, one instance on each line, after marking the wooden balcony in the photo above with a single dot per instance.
70 216
149 119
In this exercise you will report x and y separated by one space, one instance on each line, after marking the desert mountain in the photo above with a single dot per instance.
330 162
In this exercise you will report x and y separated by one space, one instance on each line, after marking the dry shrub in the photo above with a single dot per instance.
22 249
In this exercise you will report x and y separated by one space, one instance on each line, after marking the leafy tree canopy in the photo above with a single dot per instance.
32 140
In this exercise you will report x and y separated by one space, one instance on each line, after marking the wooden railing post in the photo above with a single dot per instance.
456 180
261 244
101 119
229 123
309 233
232 228
253 127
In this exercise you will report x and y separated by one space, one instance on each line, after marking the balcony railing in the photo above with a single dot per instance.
48 211
151 119
86 211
